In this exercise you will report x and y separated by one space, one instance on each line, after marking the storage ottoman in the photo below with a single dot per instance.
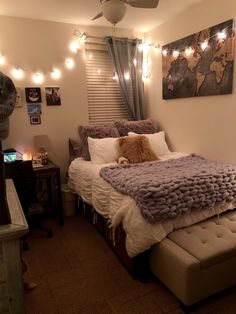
198 261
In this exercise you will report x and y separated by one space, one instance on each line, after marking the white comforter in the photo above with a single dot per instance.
85 180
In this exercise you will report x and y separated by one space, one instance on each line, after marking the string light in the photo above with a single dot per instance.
99 71
135 62
176 53
2 60
221 35
74 46
204 45
90 56
146 69
17 73
115 77
189 51
56 74
69 63
38 78
126 76
164 52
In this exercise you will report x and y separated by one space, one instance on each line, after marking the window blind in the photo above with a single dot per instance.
105 103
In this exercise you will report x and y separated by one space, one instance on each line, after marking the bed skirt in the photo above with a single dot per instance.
137 266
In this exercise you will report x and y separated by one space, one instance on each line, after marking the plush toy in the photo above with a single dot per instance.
123 160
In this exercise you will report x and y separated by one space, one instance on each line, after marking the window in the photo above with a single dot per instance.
105 103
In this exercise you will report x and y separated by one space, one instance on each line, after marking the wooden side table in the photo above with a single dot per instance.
51 173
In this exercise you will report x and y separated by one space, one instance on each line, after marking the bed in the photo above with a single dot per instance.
85 180
118 217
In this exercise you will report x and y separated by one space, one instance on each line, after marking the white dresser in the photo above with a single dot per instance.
11 285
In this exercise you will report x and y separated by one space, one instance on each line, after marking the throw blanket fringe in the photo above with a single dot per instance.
165 190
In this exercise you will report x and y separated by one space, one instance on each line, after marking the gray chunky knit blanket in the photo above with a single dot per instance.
167 189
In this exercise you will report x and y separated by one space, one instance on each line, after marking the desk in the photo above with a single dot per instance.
51 173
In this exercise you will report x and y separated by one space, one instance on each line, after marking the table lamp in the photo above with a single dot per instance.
41 143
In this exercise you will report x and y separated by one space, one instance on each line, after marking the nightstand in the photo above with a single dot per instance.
51 174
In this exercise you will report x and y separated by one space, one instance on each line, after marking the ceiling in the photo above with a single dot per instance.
80 12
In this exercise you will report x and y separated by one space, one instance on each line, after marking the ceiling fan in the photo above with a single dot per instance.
114 10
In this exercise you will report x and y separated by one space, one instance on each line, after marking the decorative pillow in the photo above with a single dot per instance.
157 142
140 127
74 148
103 150
136 149
94 132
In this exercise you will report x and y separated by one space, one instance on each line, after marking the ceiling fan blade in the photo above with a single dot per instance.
97 16
146 4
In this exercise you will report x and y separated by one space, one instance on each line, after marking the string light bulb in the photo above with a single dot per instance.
99 71
204 45
56 74
17 73
164 52
126 76
69 63
176 53
189 51
135 62
2 60
38 78
221 35
74 46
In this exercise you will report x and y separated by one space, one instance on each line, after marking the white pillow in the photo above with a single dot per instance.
157 142
103 150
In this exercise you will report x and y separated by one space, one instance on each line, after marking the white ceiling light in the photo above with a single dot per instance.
113 11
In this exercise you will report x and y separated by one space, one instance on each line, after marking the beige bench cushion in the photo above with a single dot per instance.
210 242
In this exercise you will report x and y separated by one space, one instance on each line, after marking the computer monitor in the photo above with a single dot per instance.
9 155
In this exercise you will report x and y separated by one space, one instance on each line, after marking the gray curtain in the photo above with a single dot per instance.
127 59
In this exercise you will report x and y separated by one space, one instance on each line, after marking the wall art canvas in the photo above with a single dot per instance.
200 64
19 99
53 96
33 94
34 109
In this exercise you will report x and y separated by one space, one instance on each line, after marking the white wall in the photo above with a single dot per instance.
40 46
204 125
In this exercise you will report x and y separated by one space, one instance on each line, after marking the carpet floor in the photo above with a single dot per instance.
77 272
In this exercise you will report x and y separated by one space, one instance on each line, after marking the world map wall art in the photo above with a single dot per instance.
200 64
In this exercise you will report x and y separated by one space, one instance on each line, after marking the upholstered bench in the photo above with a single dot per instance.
198 261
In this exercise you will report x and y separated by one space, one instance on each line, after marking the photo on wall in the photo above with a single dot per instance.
19 99
34 109
35 119
200 64
53 96
33 94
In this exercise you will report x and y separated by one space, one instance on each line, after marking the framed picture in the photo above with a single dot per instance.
33 94
35 119
53 96
19 100
200 64
34 109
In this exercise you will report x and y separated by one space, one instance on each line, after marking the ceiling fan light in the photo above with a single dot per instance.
113 11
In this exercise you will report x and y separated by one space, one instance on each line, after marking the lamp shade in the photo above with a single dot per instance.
113 11
41 141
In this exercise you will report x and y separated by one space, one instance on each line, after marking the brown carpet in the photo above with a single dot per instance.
77 272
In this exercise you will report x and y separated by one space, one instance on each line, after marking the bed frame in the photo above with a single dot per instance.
137 266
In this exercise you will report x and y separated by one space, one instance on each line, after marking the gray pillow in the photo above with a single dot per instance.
140 127
74 148
86 131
